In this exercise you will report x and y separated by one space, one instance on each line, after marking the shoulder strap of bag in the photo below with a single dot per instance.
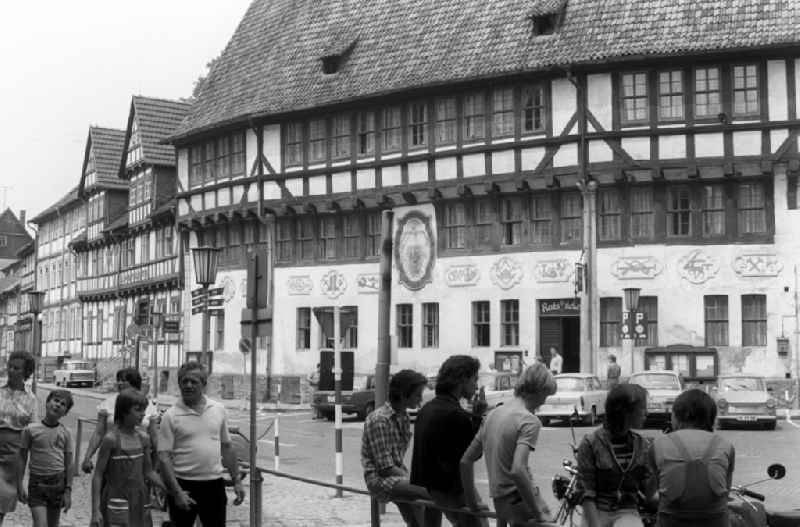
680 446
708 454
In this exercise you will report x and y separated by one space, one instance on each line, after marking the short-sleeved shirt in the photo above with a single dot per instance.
556 363
17 408
503 429
107 407
443 432
384 442
47 447
195 439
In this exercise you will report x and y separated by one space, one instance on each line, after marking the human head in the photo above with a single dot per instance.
694 409
458 375
65 396
129 378
553 351
406 386
612 357
126 400
28 364
534 385
192 379
626 407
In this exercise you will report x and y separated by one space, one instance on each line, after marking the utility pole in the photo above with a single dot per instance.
384 311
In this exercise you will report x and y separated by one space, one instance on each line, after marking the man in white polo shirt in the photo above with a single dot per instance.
191 439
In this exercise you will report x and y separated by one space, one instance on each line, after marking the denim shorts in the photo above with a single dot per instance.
46 491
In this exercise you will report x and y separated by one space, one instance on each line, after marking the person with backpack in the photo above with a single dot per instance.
613 462
693 466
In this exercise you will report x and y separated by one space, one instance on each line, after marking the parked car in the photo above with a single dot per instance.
74 372
663 387
744 399
581 392
360 400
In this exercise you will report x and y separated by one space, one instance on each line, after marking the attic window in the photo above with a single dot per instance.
547 16
336 53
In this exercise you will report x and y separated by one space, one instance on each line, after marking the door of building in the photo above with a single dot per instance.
559 328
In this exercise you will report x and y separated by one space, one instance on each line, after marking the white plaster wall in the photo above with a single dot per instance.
365 178
251 150
709 145
637 147
391 176
600 152
271 190
223 197
295 186
599 99
777 99
183 168
531 157
474 165
567 155
238 193
776 138
272 146
446 168
672 147
317 185
340 182
747 143
418 172
503 162
564 104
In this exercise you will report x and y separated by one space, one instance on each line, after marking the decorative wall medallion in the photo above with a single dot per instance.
415 249
552 270
368 283
698 267
506 272
300 285
462 275
757 265
627 267
333 284
228 289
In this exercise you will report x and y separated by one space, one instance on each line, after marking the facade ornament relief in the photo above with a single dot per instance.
415 249
300 285
228 289
629 267
462 275
757 265
698 267
506 272
553 270
333 284
368 283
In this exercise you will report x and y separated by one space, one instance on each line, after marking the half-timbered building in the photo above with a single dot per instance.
492 133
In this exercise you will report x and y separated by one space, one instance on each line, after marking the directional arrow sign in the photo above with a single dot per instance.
197 292
217 291
196 310
216 302
216 309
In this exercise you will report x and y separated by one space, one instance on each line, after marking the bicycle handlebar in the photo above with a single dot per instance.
749 493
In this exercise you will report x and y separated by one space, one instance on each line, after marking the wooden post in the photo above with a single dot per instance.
337 386
384 311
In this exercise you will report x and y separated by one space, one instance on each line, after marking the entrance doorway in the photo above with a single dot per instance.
560 328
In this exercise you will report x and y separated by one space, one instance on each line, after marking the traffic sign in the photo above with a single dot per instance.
199 309
199 301
245 346
197 292
633 325
217 291
215 302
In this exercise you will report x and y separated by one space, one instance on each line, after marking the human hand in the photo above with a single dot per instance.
87 466
66 501
238 489
22 494
183 500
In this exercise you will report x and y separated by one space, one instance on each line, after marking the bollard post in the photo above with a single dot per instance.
78 438
277 448
374 512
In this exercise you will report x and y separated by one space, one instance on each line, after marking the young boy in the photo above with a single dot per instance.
50 446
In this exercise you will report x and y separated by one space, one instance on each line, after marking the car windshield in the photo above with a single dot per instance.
658 381
570 384
78 366
735 384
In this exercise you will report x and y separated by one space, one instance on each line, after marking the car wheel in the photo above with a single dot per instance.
368 408
591 419
770 425
328 414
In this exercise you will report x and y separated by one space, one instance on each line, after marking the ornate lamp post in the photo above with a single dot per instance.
631 305
35 299
205 273
158 320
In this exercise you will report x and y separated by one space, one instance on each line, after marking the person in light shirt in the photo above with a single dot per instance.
556 361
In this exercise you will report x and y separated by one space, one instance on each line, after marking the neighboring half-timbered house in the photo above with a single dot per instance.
475 126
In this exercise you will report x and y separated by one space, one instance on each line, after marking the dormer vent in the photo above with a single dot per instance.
547 16
336 53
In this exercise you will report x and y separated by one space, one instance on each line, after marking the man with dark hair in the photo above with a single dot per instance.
444 430
387 432
193 433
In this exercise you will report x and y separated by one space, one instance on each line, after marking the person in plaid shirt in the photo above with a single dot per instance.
387 433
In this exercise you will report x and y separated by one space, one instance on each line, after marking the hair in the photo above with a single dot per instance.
131 376
403 383
695 409
29 365
64 395
535 379
127 399
622 401
612 357
454 371
192 365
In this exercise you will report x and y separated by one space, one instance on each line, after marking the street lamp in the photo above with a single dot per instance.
35 300
632 298
158 319
205 272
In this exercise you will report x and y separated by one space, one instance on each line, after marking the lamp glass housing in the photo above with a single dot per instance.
205 264
632 298
35 301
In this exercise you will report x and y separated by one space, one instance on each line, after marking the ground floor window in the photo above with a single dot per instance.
348 327
430 325
480 324
303 328
405 325
509 322
610 318
715 308
754 320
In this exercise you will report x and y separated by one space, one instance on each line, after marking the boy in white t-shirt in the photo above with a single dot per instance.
506 438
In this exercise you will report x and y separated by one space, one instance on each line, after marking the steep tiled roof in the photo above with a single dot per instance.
106 144
272 63
157 119
70 198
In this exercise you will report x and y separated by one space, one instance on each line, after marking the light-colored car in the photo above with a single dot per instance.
74 372
581 392
744 399
663 387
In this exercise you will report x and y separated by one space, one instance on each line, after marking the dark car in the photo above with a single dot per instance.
360 400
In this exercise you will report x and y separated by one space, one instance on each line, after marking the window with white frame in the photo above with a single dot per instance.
541 219
511 216
502 112
316 141
679 212
481 329
635 106
752 214
417 124
610 318
713 210
430 325
670 95
405 326
340 141
303 328
745 91
706 92
445 120
474 120
509 322
366 133
533 109
392 128
715 308
754 320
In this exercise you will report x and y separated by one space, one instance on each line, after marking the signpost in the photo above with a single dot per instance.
633 325
245 346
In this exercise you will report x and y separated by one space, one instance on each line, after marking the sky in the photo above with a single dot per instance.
67 65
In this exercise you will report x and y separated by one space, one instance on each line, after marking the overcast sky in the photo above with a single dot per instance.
67 65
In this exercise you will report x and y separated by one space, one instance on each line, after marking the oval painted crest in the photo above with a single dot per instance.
415 250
